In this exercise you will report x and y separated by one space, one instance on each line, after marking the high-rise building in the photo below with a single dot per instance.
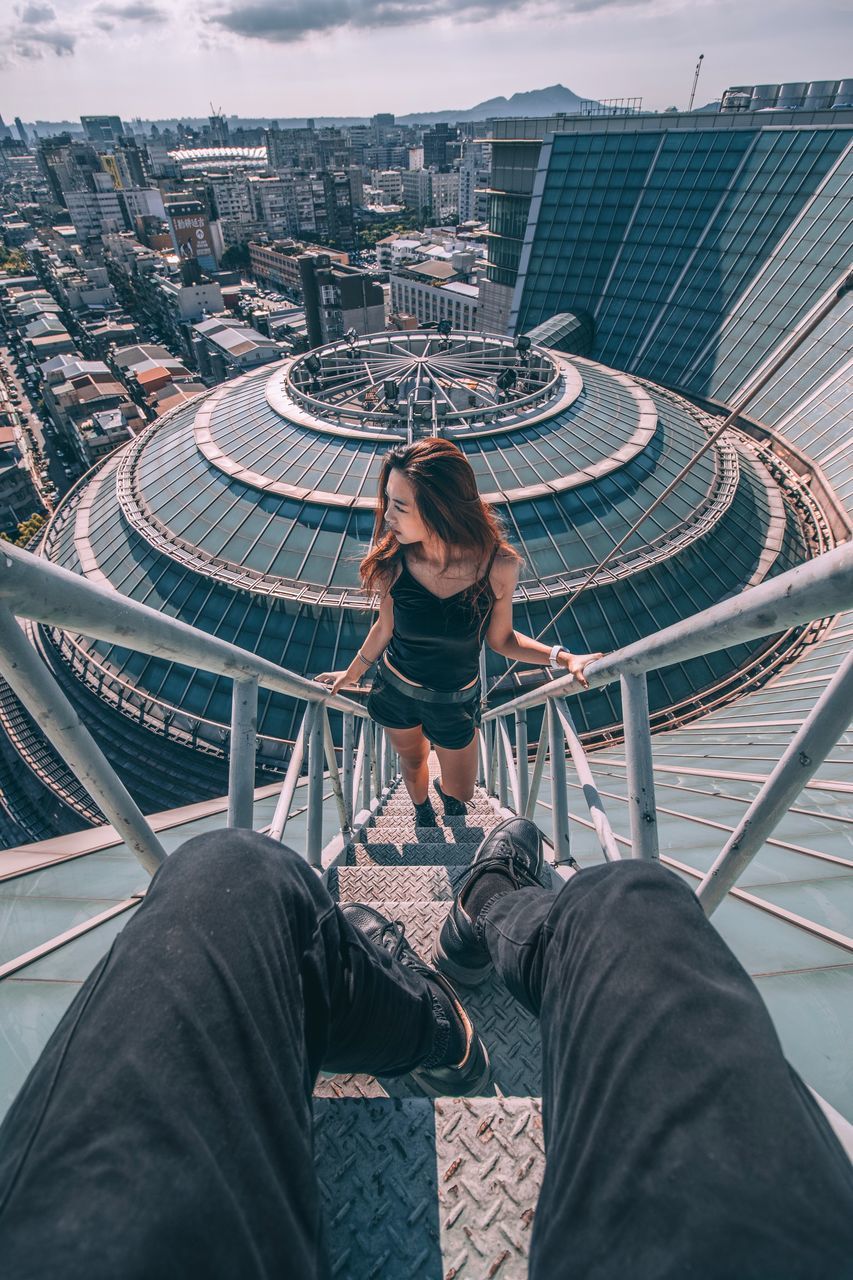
440 145
417 191
595 244
68 165
474 170
338 298
103 131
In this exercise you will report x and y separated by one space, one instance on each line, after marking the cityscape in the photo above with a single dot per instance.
635 323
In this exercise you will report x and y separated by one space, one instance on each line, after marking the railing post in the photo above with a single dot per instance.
500 747
522 765
806 752
379 761
334 771
559 790
291 778
347 764
538 767
32 683
243 745
365 751
483 753
600 821
640 778
314 835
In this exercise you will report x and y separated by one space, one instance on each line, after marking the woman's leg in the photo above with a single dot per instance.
413 750
459 768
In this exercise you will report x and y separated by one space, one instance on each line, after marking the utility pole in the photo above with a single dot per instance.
695 81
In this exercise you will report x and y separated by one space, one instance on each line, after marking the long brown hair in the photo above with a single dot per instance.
448 503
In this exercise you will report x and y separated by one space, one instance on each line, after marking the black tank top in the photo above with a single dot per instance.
437 641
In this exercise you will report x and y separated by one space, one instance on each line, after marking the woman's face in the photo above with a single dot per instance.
401 512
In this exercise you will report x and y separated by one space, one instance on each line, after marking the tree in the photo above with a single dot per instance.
235 258
13 261
26 529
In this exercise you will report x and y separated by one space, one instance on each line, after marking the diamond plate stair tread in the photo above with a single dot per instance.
364 884
465 831
510 1034
390 854
448 1189
490 1155
376 1166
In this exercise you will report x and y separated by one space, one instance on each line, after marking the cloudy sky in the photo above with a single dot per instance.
63 58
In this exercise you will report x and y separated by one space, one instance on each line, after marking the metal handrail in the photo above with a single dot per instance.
817 589
33 588
812 591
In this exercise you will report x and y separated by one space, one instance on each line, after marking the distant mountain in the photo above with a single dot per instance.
536 102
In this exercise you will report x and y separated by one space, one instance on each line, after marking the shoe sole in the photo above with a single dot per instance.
466 976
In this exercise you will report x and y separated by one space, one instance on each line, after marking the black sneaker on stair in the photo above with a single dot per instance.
468 1071
425 814
509 858
453 808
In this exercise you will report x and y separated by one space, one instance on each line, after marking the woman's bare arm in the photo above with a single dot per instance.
373 647
504 639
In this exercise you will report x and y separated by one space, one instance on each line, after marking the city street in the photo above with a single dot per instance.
33 435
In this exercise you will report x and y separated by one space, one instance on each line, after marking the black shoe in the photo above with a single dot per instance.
453 808
472 1072
512 854
425 814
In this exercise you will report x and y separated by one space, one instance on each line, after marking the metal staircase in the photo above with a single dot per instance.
447 1187
430 1187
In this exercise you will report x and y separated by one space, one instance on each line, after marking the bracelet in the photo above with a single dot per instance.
368 662
556 650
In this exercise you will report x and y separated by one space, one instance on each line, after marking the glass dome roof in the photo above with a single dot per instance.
247 513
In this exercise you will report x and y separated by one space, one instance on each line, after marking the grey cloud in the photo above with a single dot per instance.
32 44
290 21
135 11
33 14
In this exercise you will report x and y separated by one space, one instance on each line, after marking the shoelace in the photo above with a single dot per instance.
503 858
397 930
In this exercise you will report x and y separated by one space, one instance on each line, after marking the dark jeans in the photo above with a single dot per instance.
166 1129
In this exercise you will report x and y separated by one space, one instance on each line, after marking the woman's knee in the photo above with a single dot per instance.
414 757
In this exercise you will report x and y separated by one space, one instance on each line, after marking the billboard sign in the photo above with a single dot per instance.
192 235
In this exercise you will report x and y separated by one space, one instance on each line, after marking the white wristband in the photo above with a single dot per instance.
554 655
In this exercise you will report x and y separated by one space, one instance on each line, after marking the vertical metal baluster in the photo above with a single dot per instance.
291 778
347 765
538 768
482 754
559 791
365 751
314 835
600 821
500 747
242 748
640 775
334 771
521 762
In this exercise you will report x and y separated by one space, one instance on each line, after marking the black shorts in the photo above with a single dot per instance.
447 724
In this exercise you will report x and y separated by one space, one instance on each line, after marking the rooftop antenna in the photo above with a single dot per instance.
695 80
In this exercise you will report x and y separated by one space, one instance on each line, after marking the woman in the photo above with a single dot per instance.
445 577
